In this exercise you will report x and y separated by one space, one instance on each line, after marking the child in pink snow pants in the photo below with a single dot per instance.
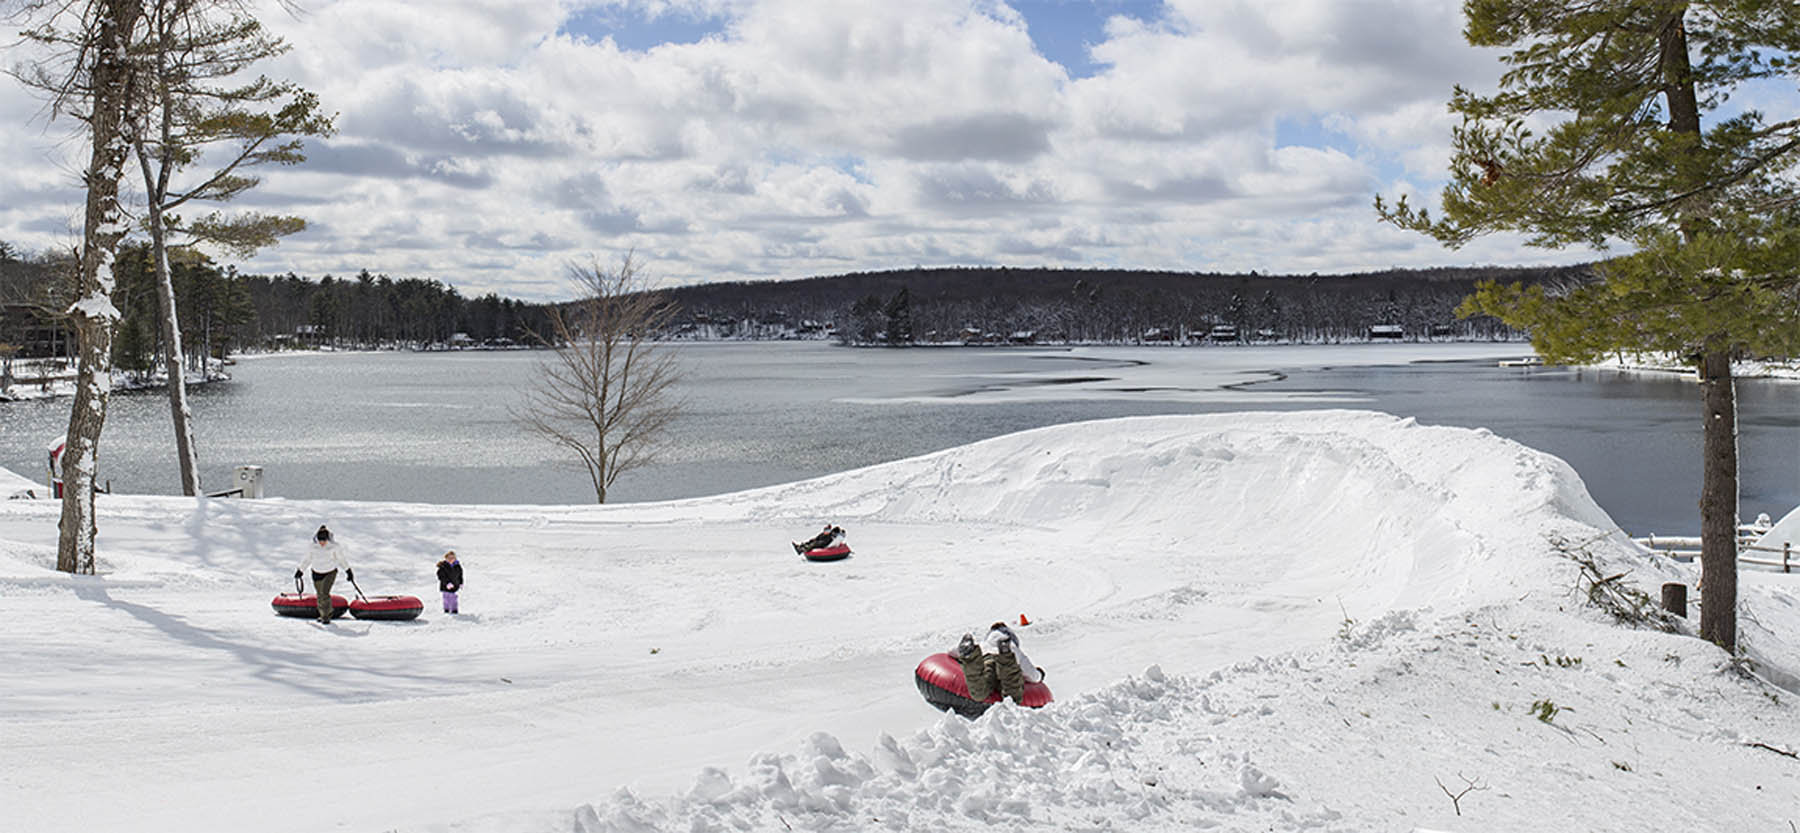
450 579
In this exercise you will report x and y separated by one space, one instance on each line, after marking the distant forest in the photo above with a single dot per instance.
229 312
1105 306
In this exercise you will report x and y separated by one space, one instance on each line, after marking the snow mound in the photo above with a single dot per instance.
1522 717
12 486
1339 502
1785 533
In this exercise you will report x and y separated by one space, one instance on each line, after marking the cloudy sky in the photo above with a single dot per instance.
489 144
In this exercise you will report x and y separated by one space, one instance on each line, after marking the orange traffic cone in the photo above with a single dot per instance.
1023 621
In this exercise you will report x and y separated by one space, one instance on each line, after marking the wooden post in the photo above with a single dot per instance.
1787 548
1674 598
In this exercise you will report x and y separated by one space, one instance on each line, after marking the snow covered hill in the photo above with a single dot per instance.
1326 620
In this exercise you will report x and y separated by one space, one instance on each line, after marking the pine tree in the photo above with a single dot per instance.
1640 151
191 53
898 315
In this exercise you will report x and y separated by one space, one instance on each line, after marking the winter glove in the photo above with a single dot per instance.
297 574
349 574
450 588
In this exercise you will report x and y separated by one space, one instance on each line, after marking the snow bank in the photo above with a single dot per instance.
13 486
1340 502
1337 610
1785 532
1531 722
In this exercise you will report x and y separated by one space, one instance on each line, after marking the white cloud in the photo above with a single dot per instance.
482 144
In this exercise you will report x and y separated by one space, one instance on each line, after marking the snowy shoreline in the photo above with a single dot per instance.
1294 621
63 384
1741 369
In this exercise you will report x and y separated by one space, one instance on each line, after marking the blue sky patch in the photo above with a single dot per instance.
1308 131
633 30
1062 30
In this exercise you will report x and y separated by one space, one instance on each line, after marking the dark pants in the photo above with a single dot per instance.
322 585
985 672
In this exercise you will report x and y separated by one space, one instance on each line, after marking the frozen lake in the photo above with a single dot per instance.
436 427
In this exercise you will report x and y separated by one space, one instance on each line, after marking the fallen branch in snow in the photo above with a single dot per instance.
1471 785
1610 593
1776 750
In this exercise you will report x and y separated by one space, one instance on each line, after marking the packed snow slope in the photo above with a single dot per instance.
1329 620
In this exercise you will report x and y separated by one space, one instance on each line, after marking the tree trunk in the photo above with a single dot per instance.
174 361
156 192
1718 503
94 315
1719 467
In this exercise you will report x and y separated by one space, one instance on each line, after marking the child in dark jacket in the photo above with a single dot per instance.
450 579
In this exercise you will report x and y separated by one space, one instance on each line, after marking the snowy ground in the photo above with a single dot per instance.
52 378
1327 620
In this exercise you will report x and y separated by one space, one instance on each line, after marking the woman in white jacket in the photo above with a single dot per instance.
996 662
324 559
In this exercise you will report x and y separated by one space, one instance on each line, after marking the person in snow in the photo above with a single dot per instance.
996 662
828 536
324 559
450 579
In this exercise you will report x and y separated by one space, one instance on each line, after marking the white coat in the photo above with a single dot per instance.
323 558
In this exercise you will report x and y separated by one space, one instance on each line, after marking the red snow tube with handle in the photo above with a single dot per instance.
940 679
837 552
297 605
391 608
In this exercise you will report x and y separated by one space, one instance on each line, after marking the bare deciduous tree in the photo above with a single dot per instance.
604 394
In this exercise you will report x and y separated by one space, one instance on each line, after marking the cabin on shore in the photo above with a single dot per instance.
33 334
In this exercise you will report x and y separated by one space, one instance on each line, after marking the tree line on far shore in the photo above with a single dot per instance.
223 312
1000 304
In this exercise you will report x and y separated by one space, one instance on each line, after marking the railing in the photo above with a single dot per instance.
1787 556
1687 548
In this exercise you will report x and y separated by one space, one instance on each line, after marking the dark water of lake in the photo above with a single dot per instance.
438 427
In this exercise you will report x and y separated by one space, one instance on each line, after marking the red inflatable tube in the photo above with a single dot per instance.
940 679
392 608
296 605
832 553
